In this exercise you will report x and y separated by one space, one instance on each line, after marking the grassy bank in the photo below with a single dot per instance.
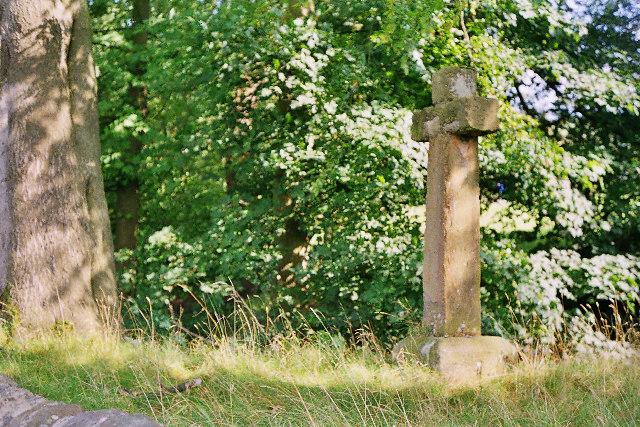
288 382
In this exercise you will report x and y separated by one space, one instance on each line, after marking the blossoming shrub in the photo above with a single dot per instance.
278 152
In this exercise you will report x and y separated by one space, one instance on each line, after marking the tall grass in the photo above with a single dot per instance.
257 373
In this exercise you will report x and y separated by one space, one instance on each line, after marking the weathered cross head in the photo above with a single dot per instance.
457 108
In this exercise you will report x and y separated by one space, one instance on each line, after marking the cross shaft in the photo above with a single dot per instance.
451 273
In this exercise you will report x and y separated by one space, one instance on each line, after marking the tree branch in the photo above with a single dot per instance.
467 40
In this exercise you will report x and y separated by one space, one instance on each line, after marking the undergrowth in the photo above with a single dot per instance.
252 375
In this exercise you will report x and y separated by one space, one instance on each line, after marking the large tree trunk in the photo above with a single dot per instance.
56 251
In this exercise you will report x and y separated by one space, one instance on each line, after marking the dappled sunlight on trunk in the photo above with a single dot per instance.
59 259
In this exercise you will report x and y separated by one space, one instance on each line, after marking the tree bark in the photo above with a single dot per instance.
128 195
56 251
299 9
294 242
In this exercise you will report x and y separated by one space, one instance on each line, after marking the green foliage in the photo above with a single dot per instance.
168 282
279 154
9 317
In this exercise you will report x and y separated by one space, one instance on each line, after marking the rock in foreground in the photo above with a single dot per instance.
20 407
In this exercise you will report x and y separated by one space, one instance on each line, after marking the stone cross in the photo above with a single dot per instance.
451 343
451 275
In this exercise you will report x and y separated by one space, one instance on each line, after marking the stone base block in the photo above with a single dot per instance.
461 360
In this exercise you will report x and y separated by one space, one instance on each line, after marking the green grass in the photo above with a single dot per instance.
290 383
